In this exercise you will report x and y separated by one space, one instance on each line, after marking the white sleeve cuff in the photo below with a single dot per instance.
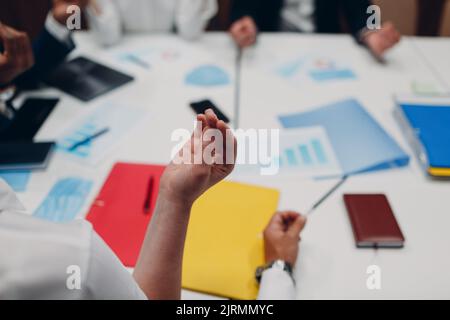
276 284
60 32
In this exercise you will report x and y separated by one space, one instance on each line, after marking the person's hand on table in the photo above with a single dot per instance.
382 40
59 10
282 237
185 182
244 32
17 56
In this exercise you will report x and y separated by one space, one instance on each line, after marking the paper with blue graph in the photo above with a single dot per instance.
303 153
318 69
360 143
117 118
17 180
65 200
307 152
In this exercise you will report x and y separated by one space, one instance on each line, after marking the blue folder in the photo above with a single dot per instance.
430 125
360 143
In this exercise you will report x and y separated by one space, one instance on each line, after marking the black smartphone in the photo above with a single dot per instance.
25 156
201 106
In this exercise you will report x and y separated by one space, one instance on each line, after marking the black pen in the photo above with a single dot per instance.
325 197
89 139
148 196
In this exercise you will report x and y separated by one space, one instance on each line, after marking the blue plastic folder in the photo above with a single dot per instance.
64 200
17 180
430 128
360 143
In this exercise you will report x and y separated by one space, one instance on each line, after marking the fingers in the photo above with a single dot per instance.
276 223
211 119
228 138
289 222
244 32
297 226
18 54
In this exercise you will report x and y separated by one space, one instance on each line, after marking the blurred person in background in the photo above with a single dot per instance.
308 16
110 19
23 63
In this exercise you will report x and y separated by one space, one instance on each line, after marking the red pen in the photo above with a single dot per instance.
148 196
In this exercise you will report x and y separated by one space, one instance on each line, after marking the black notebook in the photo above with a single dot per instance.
86 79
25 155
27 121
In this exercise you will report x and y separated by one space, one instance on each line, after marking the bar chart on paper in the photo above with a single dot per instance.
308 152
305 152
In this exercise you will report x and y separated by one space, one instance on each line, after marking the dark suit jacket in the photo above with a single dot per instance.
48 54
267 14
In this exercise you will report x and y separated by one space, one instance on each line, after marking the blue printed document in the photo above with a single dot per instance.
17 180
359 142
115 117
64 200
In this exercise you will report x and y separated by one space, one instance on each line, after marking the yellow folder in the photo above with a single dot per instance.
224 242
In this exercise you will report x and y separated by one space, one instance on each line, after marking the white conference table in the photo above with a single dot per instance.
436 53
329 265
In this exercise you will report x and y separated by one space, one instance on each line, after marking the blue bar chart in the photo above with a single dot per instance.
308 152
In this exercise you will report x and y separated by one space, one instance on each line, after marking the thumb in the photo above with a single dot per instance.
297 226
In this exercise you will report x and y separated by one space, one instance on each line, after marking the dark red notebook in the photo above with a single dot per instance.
119 213
373 221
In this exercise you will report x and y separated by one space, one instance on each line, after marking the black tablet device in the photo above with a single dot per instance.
27 121
86 79
25 156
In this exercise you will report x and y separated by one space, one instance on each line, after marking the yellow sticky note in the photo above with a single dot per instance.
224 242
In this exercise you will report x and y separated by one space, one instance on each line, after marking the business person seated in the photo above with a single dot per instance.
321 16
24 64
110 19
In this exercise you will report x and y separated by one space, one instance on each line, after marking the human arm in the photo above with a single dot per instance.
193 16
53 44
158 270
378 41
281 242
105 21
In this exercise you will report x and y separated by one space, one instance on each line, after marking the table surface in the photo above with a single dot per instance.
434 51
329 264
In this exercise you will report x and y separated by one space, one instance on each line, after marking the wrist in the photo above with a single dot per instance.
179 204
280 265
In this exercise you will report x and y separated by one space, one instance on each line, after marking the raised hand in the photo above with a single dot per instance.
195 169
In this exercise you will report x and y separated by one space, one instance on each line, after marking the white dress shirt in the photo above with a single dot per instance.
188 17
298 15
37 257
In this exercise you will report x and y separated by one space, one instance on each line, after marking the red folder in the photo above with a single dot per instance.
118 214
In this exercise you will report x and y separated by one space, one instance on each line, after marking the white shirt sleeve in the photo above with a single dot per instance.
193 16
37 257
58 31
107 278
276 284
106 25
